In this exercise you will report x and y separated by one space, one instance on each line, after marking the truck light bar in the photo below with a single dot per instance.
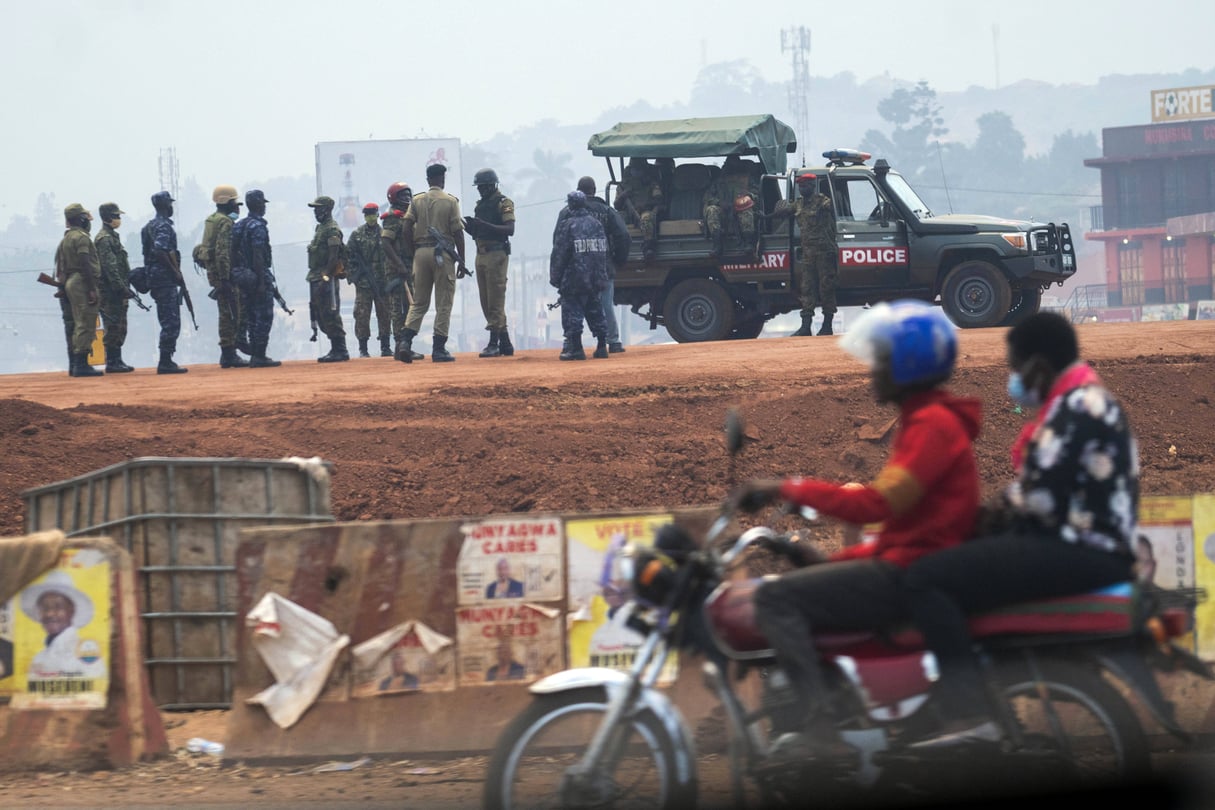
852 156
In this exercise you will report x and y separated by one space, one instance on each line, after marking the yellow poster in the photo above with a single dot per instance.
61 635
1164 546
597 636
1204 565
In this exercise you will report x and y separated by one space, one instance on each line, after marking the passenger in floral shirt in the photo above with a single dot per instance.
1066 524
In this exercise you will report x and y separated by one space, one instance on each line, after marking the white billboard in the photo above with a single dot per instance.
355 173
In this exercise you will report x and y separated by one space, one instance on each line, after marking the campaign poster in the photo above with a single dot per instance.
60 633
597 634
511 558
1164 546
508 642
410 657
6 648
1204 565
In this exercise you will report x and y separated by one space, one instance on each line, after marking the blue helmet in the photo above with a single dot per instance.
919 342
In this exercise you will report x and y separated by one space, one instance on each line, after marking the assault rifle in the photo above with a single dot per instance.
43 278
312 315
444 245
630 210
175 266
278 296
363 272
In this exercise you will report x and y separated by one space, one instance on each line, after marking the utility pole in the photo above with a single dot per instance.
796 41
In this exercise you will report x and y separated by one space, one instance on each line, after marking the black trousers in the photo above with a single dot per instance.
989 573
843 596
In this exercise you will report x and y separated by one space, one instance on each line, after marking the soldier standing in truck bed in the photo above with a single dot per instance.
734 192
640 198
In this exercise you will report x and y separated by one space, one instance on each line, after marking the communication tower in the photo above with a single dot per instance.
796 42
348 203
169 174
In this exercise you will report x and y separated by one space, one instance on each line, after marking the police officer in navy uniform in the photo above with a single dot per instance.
163 263
578 269
251 251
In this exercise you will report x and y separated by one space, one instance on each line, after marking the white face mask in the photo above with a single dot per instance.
115 222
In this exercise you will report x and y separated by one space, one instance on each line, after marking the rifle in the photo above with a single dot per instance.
398 280
364 272
555 304
444 245
312 315
134 296
229 297
49 281
630 210
43 278
181 285
278 296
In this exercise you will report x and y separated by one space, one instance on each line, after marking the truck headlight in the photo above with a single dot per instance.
1017 240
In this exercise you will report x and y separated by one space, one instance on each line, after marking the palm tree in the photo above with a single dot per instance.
551 178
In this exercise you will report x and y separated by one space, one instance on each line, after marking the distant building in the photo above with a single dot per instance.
1157 217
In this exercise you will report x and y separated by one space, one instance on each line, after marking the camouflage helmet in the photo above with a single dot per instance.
224 194
485 177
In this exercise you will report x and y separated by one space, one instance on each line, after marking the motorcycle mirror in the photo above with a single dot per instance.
735 430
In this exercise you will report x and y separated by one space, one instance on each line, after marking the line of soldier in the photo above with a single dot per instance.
397 261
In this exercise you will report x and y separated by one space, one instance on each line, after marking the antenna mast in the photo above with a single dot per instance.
796 41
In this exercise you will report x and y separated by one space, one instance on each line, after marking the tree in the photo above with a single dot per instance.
917 121
549 178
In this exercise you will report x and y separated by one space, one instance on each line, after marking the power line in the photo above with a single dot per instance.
1010 193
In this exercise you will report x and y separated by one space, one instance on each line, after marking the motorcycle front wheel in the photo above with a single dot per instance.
1076 727
530 766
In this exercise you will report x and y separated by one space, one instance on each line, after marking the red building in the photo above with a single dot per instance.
1157 218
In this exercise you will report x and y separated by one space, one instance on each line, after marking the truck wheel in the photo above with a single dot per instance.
747 329
976 294
1024 304
698 310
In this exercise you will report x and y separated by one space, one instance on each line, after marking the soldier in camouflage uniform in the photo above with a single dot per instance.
578 268
163 263
440 210
398 264
640 198
326 255
115 287
251 250
217 242
732 195
368 268
815 215
79 270
492 225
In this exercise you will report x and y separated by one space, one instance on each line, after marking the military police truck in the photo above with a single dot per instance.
984 270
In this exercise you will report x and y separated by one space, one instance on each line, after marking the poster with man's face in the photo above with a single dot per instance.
408 658
59 630
511 558
508 642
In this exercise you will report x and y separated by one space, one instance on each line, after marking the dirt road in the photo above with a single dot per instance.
528 433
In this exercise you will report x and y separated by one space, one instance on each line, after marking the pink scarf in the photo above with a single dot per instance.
1074 376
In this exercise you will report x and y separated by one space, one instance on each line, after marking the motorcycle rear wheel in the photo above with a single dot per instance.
528 768
1093 738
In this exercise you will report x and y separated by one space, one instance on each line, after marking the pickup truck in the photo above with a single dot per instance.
984 271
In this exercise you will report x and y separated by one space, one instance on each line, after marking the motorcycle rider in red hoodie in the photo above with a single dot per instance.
926 497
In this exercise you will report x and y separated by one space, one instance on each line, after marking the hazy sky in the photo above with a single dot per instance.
92 91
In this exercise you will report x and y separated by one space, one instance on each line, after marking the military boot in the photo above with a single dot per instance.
83 369
806 328
601 351
114 363
363 347
228 358
825 329
385 347
572 350
405 346
258 358
337 351
504 345
492 349
167 366
440 354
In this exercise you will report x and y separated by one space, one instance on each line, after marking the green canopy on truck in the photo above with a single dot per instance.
761 135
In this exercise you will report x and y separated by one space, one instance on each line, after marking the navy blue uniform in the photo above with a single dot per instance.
159 235
618 253
251 249
579 271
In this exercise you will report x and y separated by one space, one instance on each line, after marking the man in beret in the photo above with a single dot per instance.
115 286
438 209
326 255
79 270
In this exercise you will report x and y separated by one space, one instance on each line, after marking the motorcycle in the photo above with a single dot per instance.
598 737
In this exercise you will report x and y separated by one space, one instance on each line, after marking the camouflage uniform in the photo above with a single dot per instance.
251 249
816 267
77 266
217 236
578 268
393 231
640 185
438 208
115 273
734 181
159 235
493 252
325 297
368 273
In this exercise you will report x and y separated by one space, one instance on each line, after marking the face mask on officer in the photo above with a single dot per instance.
84 222
806 189
321 213
370 219
114 223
